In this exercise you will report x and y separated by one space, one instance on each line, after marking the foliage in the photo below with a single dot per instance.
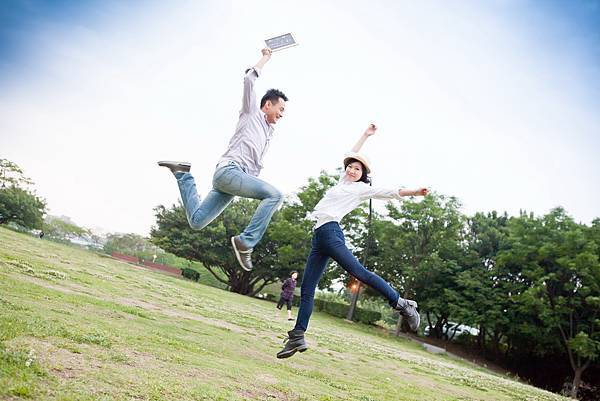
11 175
18 204
284 247
558 262
21 207
418 251
62 229
366 316
130 244
281 250
190 274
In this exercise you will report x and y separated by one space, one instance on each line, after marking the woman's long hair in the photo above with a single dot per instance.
364 177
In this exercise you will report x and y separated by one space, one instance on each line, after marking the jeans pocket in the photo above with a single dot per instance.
340 235
218 174
227 179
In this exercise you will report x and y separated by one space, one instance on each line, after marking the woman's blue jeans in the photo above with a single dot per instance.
229 181
328 242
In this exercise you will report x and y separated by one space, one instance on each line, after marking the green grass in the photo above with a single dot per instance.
78 326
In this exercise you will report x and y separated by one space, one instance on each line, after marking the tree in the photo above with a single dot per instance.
484 295
11 175
558 259
130 244
17 203
63 229
22 207
284 247
274 256
418 250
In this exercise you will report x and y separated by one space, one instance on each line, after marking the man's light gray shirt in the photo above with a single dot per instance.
252 135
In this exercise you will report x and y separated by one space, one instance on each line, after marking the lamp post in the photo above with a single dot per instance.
358 285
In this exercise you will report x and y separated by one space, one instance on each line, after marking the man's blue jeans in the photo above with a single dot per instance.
229 181
328 242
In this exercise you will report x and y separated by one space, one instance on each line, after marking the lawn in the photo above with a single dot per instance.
75 325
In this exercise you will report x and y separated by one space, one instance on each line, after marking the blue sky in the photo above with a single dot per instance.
21 23
495 102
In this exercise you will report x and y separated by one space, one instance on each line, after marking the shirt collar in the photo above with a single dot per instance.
264 117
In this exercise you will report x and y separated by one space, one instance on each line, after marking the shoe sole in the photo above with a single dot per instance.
418 324
185 167
291 352
167 163
237 255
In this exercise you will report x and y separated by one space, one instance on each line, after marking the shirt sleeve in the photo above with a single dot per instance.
368 192
249 97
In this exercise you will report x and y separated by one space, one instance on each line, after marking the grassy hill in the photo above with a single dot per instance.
78 326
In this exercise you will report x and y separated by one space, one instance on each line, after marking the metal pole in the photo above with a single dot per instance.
364 262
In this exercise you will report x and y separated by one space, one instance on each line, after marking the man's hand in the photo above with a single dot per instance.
266 56
370 130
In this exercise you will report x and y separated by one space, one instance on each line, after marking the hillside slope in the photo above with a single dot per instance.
78 326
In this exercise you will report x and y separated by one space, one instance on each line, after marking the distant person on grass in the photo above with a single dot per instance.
328 242
287 294
237 171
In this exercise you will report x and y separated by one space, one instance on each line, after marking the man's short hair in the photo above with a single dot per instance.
273 95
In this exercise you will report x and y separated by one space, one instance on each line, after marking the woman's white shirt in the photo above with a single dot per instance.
346 196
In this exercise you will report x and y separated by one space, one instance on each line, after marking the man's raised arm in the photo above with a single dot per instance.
249 98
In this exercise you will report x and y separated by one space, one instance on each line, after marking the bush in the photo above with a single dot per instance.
366 316
319 304
336 309
190 274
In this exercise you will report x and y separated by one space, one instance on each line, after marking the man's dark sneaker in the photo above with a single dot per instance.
294 342
408 309
242 253
176 167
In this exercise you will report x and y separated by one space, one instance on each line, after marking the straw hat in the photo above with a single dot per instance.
360 157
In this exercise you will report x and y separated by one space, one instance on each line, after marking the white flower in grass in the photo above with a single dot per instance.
30 358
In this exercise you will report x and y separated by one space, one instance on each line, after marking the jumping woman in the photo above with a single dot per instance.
328 242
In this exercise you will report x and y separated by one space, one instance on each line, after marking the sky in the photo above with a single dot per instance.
495 102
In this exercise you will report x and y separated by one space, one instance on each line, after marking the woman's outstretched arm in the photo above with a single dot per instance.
368 132
414 192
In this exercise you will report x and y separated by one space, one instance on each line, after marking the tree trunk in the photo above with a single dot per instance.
399 325
483 331
241 285
429 322
576 382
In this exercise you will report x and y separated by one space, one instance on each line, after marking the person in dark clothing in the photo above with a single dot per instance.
287 294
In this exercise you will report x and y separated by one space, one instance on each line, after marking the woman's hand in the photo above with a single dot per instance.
370 130
421 192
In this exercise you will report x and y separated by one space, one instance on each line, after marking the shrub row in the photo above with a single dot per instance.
336 309
190 274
